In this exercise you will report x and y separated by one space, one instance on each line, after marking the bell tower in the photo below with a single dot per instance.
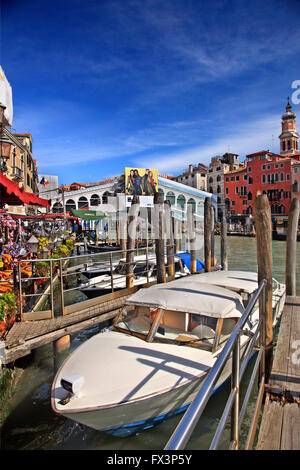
289 137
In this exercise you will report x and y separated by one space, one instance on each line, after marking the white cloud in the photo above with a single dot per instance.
251 137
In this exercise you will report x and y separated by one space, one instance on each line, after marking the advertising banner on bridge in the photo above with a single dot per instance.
141 181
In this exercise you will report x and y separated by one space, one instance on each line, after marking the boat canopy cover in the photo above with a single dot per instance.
143 258
239 281
188 296
186 258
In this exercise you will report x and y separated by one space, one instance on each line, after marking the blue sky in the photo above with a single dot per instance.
104 84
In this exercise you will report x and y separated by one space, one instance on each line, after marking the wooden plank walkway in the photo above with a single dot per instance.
280 425
28 335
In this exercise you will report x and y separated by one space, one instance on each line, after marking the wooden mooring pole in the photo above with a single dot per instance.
191 238
263 224
170 239
291 246
207 234
224 259
131 236
159 238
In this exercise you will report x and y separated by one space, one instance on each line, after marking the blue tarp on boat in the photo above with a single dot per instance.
186 258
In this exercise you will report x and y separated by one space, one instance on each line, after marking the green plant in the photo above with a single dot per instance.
42 268
8 305
70 243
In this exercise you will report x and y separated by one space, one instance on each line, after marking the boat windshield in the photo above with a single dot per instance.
176 327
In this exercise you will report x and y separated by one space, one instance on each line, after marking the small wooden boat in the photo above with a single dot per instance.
154 360
102 248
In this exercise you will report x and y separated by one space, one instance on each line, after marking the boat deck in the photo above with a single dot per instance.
280 425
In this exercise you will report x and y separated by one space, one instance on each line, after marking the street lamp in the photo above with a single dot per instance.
5 144
2 109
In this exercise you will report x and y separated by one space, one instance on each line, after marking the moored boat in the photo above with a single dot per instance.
153 362
144 270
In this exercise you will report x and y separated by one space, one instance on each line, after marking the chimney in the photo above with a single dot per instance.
190 168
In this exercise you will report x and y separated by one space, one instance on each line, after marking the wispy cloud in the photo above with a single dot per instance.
251 137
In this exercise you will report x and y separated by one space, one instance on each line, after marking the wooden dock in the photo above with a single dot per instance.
280 425
28 335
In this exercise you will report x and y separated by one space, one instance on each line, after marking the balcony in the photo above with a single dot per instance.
17 174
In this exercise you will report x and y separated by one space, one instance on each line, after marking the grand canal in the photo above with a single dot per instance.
32 424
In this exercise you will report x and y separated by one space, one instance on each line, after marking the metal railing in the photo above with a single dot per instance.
186 426
58 274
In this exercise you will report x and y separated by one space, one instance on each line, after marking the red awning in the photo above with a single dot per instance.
10 193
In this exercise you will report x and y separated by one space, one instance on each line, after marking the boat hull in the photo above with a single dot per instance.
126 418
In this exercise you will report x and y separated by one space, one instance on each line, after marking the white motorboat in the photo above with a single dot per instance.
154 360
100 285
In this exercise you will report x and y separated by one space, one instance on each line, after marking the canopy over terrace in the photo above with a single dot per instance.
85 214
11 194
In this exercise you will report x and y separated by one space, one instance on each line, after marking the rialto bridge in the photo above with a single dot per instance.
98 197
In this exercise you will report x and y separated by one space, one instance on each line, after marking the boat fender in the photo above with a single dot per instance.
73 383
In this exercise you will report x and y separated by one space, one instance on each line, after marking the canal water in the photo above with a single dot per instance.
32 425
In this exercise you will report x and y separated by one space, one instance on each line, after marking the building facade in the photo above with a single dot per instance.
215 177
20 167
194 177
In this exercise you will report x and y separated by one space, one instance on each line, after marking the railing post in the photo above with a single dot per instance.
236 387
111 272
20 291
51 288
61 287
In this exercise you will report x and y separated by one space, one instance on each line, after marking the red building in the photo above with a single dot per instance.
235 191
267 172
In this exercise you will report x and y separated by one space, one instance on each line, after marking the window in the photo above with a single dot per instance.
289 145
276 166
245 202
264 167
281 176
283 146
287 176
269 167
227 179
226 191
250 180
237 178
245 177
233 203
249 168
281 165
236 190
263 178
295 170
